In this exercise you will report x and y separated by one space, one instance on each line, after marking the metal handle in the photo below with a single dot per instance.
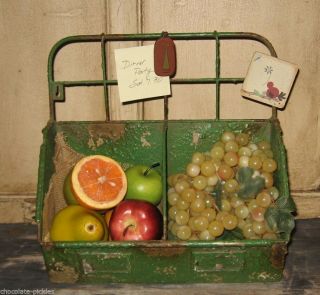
57 88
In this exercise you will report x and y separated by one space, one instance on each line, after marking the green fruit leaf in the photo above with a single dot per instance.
217 194
250 185
244 174
287 203
272 217
286 222
235 234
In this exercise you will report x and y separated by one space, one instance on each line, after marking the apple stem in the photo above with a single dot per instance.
150 168
126 230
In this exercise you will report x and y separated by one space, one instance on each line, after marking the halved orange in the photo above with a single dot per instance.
98 182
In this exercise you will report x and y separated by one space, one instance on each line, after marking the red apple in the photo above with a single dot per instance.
136 220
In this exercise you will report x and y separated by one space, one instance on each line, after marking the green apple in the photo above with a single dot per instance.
144 184
67 191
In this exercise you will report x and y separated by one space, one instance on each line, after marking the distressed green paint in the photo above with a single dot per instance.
171 143
207 263
165 261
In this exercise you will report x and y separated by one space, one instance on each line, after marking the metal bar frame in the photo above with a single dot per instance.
57 88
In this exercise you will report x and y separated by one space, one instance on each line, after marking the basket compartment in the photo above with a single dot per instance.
164 261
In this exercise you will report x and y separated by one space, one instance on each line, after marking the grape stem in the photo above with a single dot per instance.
145 173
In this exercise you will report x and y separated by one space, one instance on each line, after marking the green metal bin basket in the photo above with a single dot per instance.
170 142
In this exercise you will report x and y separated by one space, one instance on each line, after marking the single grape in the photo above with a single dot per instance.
242 138
182 204
248 231
181 185
216 163
170 180
227 136
264 145
217 152
255 163
241 223
268 179
182 217
260 154
269 153
225 172
216 228
252 146
188 195
178 177
235 201
221 215
274 192
198 158
170 224
209 213
231 146
244 161
171 190
193 169
257 214
173 197
207 156
231 185
245 151
198 205
191 222
241 211
212 180
200 194
174 228
172 212
230 222
263 199
200 182
205 235
209 188
218 143
269 165
209 201
184 232
231 159
201 223
252 204
225 205
208 168
258 227
194 213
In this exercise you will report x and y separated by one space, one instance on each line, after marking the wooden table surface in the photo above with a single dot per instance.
22 269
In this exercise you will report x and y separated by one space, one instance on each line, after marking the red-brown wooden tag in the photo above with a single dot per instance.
165 56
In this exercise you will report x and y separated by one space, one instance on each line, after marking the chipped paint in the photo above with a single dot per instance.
167 270
144 141
87 267
61 273
278 253
195 138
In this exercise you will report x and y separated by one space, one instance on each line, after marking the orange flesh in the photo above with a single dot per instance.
101 181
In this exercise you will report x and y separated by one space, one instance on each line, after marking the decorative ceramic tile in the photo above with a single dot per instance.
269 80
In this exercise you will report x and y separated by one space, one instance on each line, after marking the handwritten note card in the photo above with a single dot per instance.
135 73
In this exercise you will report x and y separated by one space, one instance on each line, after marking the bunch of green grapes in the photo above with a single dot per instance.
193 213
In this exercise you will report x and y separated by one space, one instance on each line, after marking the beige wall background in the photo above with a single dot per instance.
29 28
